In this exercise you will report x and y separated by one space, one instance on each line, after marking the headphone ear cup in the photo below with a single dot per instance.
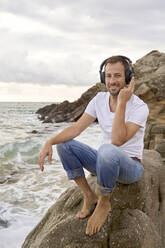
102 77
128 75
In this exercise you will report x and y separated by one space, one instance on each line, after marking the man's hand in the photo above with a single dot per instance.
126 92
46 151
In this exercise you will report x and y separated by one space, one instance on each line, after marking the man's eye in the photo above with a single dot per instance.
108 76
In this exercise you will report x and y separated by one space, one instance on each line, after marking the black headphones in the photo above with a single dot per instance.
128 72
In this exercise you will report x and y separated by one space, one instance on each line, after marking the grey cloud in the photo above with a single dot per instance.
104 11
19 68
81 34
90 17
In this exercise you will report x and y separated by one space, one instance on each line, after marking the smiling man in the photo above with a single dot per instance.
122 117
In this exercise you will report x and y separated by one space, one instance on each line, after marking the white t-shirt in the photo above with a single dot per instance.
136 112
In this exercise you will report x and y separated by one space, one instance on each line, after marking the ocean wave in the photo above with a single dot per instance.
20 152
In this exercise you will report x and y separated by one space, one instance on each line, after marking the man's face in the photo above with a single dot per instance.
115 78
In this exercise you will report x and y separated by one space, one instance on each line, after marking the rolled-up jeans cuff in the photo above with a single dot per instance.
73 174
100 190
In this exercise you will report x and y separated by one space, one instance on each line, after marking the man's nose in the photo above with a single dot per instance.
112 79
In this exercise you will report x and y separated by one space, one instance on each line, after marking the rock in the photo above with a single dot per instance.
155 137
150 83
4 223
66 111
137 219
34 131
3 179
136 230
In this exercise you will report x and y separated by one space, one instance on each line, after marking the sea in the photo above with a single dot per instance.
26 193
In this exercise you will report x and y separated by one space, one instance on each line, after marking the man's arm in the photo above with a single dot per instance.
67 134
121 131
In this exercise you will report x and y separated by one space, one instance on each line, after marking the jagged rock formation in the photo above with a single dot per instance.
150 83
137 220
155 137
150 86
66 111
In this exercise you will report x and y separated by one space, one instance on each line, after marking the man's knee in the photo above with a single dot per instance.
107 151
63 147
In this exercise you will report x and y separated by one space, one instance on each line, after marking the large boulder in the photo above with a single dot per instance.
150 87
155 137
137 219
150 83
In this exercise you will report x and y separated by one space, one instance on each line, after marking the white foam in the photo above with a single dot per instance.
28 193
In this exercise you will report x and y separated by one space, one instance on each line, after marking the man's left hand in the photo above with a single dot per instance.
126 92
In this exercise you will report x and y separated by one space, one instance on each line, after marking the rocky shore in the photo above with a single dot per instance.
137 220
138 217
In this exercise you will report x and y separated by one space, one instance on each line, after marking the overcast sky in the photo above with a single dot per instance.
51 50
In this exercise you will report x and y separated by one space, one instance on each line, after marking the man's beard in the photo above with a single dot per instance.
114 93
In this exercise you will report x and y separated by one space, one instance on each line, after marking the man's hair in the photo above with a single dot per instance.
115 59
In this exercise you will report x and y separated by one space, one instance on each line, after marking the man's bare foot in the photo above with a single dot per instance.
99 215
88 206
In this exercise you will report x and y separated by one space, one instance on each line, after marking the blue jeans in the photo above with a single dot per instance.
109 164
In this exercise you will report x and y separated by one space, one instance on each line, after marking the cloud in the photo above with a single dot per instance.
61 42
29 92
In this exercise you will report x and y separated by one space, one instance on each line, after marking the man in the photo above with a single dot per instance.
122 117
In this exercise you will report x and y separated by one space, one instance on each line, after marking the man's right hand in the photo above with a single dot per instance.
46 151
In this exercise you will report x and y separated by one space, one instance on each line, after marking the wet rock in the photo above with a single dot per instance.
137 219
4 179
4 223
34 131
